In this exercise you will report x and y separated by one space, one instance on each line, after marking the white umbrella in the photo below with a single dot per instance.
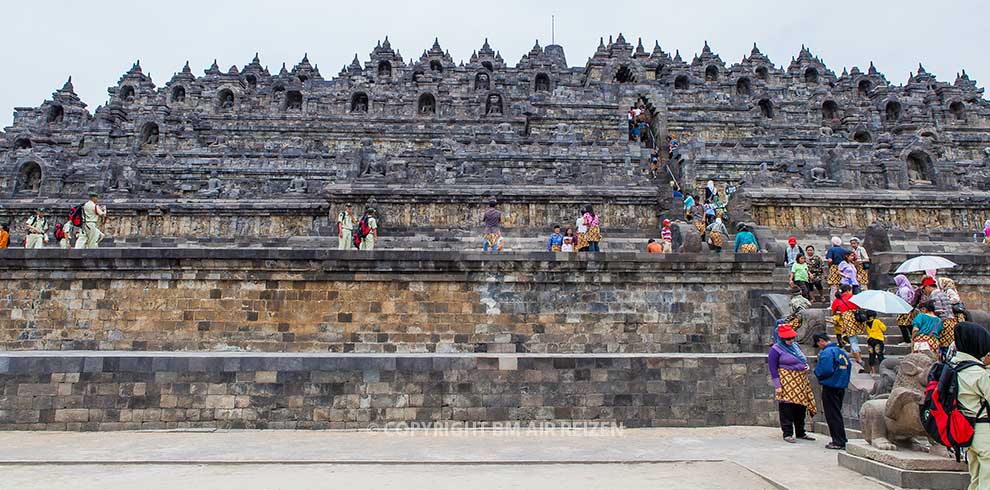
881 302
925 263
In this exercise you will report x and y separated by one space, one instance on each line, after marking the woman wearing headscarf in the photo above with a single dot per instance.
717 234
792 390
906 292
950 299
986 232
710 191
973 346
745 240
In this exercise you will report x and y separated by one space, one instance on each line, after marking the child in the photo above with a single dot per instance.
799 276
568 241
925 329
874 340
556 241
666 237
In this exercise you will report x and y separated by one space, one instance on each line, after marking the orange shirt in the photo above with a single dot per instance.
654 248
4 239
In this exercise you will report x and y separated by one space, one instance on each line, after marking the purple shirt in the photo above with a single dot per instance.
493 220
848 272
781 359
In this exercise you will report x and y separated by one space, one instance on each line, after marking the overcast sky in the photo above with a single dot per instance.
96 41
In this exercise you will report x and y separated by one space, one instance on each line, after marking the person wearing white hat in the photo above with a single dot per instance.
862 262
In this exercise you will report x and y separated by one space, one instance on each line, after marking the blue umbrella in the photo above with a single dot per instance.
881 302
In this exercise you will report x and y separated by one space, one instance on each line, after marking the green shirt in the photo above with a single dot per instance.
800 271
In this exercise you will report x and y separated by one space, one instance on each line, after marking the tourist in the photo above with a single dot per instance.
368 241
710 191
717 234
65 240
905 291
797 304
345 228
926 329
631 118
799 276
672 145
846 326
792 390
636 131
791 252
567 243
709 213
833 256
698 217
666 238
862 263
594 234
943 309
973 345
556 240
4 236
745 240
833 371
652 247
816 269
582 232
688 206
493 226
90 235
654 164
37 226
847 271
986 232
875 340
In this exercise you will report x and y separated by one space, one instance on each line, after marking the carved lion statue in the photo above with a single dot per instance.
894 422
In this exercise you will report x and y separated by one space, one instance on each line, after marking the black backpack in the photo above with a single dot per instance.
940 414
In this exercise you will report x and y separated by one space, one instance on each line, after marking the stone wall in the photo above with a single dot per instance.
387 301
115 391
827 210
400 210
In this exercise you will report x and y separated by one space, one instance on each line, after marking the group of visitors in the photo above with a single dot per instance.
707 217
639 124
930 326
357 233
840 266
584 236
80 230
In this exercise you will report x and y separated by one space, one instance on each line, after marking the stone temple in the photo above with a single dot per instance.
218 300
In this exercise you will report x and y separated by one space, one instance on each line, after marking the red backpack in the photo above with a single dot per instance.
940 415
59 232
76 215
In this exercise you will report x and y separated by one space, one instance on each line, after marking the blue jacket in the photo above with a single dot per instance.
834 367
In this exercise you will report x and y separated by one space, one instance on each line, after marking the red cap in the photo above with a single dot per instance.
666 222
792 241
786 332
927 281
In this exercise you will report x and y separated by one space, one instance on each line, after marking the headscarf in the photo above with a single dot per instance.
904 289
986 227
972 339
836 241
711 186
792 349
948 286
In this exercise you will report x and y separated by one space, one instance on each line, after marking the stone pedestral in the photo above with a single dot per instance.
906 469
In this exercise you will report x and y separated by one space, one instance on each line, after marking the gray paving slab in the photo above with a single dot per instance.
239 455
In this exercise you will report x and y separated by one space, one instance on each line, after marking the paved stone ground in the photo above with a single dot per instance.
740 458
